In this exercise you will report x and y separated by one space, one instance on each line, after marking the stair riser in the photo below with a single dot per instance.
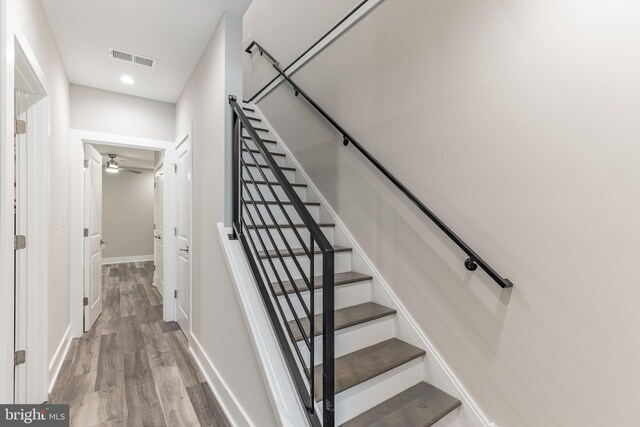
289 236
261 133
246 156
255 173
345 296
271 146
342 265
358 399
279 215
268 195
354 338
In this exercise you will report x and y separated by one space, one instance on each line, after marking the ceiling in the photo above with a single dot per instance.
127 157
173 32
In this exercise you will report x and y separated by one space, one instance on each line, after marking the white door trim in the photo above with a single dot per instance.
12 39
76 219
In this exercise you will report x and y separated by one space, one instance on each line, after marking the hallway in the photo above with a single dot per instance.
133 368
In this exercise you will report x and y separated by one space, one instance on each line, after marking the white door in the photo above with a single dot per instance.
20 255
158 246
93 236
182 170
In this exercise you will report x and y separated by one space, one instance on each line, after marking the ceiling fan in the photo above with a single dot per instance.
112 166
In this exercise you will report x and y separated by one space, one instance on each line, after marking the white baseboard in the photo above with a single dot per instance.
127 259
58 358
230 405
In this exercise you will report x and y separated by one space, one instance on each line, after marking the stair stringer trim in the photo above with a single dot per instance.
437 370
285 400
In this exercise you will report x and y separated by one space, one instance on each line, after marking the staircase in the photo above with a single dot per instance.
379 376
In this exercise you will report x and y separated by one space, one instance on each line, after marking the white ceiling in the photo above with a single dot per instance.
173 32
127 157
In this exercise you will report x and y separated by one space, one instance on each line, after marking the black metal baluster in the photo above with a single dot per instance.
235 177
312 330
328 339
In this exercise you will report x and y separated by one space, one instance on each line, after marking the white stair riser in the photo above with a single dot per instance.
354 338
356 400
289 236
261 133
246 156
344 296
452 419
279 215
268 195
342 265
271 146
255 173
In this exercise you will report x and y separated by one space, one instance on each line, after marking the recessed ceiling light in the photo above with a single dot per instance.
127 80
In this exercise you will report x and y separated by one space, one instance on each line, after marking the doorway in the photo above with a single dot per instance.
163 198
120 227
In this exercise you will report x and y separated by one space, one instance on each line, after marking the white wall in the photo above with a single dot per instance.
127 214
516 122
30 18
103 111
217 320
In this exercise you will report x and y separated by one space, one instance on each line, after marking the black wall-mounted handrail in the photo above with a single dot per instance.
324 36
474 259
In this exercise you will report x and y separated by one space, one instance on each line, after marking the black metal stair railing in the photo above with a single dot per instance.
473 261
256 205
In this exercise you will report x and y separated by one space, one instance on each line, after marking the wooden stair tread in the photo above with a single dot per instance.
249 109
320 224
248 181
273 202
419 406
259 152
338 280
297 252
343 318
367 363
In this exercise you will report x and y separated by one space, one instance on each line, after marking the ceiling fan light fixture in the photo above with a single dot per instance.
112 165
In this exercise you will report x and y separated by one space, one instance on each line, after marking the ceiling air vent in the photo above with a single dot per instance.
131 58
141 60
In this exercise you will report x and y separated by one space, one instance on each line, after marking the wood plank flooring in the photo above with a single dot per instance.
132 368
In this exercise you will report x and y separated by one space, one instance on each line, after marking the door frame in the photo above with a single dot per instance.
17 60
78 138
